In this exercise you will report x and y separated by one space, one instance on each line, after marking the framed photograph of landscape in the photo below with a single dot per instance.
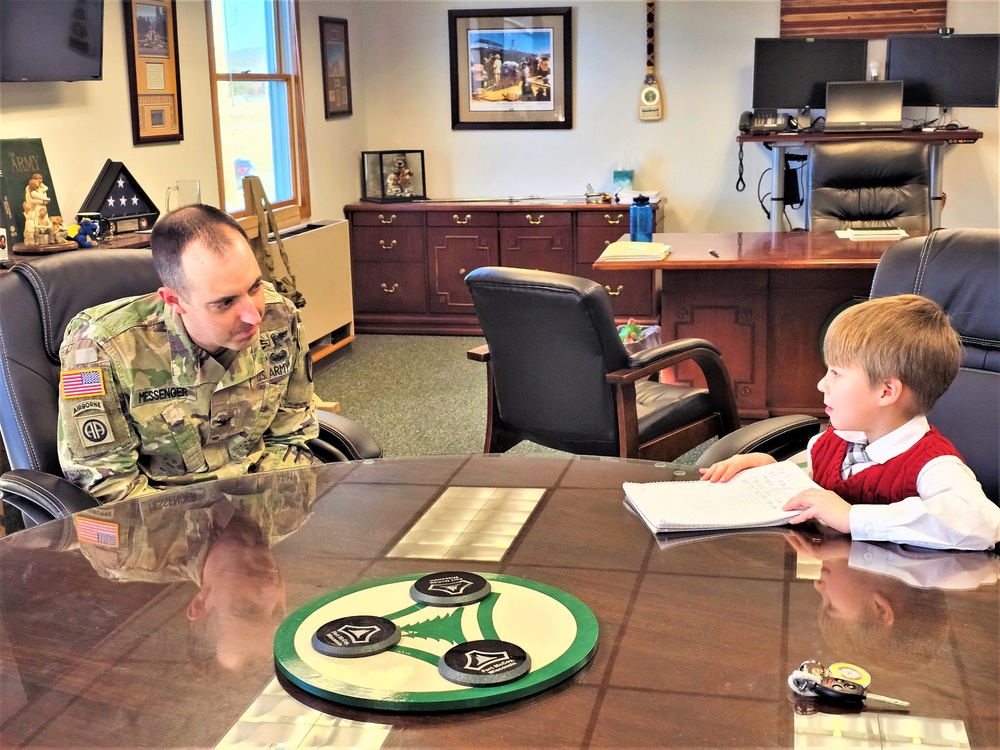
511 69
154 78
336 67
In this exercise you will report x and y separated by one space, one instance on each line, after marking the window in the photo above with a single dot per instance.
257 100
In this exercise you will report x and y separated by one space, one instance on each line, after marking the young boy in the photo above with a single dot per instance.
886 474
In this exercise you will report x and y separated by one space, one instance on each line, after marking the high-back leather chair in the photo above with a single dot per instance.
38 298
960 270
559 375
869 184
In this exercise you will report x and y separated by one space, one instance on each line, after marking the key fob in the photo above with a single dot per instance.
835 690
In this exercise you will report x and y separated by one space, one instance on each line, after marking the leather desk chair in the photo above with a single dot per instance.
38 298
869 184
960 270
558 374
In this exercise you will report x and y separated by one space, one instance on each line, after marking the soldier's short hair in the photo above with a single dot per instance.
175 231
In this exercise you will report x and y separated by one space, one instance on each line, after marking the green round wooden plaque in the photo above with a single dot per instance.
557 630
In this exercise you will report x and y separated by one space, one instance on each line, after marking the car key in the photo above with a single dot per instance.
836 690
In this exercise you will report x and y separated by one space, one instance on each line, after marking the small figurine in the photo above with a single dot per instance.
84 233
43 226
56 232
397 182
29 224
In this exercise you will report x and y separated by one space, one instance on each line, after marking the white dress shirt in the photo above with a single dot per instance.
950 511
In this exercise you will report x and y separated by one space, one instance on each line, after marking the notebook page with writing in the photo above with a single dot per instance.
752 498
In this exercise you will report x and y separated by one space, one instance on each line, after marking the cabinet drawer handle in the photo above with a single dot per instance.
614 294
385 220
532 221
390 246
607 242
461 272
462 221
613 221
387 290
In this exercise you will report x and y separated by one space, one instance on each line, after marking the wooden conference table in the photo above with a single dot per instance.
105 646
763 298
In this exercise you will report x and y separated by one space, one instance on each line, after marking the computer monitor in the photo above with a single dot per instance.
793 73
961 70
864 106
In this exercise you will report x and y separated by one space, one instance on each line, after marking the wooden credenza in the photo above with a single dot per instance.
409 260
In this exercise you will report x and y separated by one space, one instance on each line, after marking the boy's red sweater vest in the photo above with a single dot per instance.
882 484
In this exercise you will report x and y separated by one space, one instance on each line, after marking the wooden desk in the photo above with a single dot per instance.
764 302
781 142
695 642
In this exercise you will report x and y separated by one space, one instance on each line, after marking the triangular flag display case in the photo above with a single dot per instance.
120 200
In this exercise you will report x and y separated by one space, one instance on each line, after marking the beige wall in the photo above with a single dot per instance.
399 66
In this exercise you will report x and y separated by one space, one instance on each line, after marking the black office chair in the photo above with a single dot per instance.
558 374
869 184
38 298
960 270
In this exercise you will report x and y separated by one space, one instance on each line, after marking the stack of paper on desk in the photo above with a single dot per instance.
750 499
883 233
625 250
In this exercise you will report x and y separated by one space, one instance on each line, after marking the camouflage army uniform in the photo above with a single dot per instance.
143 407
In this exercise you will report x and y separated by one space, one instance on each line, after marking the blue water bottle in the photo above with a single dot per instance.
640 220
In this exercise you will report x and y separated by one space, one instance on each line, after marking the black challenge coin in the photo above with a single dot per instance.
357 635
484 663
451 588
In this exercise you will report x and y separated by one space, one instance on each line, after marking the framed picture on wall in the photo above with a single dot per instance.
511 69
154 79
336 67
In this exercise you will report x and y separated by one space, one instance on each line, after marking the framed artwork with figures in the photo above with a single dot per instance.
511 68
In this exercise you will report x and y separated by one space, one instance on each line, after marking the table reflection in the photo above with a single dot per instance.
153 625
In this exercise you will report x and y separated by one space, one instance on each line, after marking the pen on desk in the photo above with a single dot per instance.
713 253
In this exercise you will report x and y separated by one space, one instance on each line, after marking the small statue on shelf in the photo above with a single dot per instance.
29 224
56 233
397 182
43 226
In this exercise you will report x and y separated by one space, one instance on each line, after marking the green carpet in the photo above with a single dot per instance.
418 395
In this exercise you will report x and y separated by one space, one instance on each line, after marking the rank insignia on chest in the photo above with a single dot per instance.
81 383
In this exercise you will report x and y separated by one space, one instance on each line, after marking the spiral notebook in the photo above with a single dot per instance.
751 499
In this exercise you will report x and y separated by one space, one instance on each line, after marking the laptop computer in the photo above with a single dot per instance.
864 106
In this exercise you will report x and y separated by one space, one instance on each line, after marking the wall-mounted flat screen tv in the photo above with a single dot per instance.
961 70
51 40
791 73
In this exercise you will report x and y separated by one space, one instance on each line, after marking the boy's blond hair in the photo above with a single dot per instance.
907 336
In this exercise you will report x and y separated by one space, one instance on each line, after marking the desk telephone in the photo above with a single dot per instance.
765 121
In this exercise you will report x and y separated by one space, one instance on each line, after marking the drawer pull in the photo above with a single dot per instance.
385 220
607 242
387 290
532 221
462 221
461 272
614 222
614 294
390 246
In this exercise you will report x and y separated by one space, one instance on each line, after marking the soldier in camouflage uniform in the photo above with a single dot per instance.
209 377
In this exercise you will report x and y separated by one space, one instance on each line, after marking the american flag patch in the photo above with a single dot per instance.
80 383
104 533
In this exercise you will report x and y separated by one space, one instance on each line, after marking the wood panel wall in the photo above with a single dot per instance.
871 19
